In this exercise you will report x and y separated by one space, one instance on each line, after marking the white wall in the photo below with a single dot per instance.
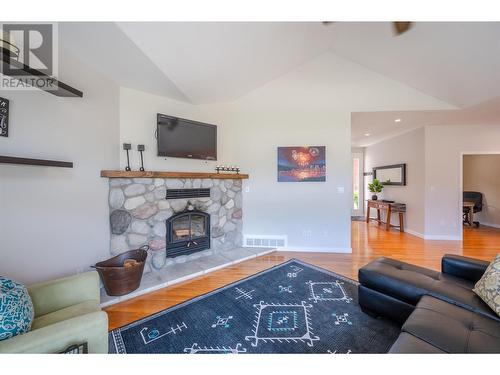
138 123
406 148
313 215
311 105
482 173
55 221
444 147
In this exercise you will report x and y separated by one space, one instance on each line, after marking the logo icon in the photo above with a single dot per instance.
28 55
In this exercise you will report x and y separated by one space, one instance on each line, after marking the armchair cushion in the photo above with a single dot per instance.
463 267
61 293
83 308
16 309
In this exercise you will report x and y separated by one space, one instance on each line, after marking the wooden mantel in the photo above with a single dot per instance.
157 174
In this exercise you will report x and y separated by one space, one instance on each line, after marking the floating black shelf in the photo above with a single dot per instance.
63 89
39 162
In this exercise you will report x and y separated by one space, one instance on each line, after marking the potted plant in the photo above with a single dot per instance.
375 187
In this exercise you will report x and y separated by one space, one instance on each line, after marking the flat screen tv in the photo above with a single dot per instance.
181 138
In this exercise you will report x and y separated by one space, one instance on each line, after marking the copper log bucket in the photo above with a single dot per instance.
119 280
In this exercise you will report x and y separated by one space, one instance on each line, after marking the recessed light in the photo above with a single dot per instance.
397 120
367 134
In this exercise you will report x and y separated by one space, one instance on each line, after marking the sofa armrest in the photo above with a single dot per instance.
90 328
57 294
463 267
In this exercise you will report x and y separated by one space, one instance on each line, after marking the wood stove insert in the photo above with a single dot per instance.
187 233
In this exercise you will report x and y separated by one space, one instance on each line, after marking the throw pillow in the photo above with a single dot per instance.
488 287
16 309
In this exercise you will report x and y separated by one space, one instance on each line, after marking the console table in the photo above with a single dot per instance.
399 208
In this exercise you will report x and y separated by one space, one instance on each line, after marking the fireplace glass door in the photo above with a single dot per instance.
181 228
188 227
197 226
187 233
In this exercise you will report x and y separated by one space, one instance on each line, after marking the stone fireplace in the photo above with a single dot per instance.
177 224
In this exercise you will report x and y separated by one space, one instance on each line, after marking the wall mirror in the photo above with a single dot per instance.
391 174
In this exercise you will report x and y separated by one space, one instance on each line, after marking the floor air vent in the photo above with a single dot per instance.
187 193
250 240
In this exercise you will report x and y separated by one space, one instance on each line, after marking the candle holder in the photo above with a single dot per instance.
224 168
127 147
141 148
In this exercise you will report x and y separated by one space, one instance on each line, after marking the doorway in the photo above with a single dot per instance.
357 207
480 192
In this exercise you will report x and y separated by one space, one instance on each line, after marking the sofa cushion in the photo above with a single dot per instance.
453 329
409 344
488 287
409 283
16 309
83 308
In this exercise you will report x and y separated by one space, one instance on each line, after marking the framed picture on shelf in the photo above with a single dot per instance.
302 164
4 117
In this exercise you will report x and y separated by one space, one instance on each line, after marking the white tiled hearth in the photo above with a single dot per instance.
178 272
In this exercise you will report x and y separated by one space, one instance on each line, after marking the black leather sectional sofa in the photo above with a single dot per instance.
438 311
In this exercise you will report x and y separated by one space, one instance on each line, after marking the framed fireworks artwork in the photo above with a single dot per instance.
302 164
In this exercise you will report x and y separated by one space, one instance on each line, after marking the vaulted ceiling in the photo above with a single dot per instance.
458 63
455 62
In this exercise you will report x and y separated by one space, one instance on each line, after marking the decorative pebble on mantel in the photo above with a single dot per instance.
139 209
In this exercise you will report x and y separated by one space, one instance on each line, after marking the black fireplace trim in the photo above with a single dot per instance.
193 244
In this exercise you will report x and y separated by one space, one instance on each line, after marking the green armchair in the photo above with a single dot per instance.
67 312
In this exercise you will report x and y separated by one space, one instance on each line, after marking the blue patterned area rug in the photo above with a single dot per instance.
291 308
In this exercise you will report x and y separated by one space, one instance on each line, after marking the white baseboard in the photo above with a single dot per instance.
314 249
440 237
433 237
414 233
489 224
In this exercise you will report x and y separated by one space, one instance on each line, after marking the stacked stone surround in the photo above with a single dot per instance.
139 209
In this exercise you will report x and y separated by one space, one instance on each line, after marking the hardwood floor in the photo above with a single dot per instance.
368 242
